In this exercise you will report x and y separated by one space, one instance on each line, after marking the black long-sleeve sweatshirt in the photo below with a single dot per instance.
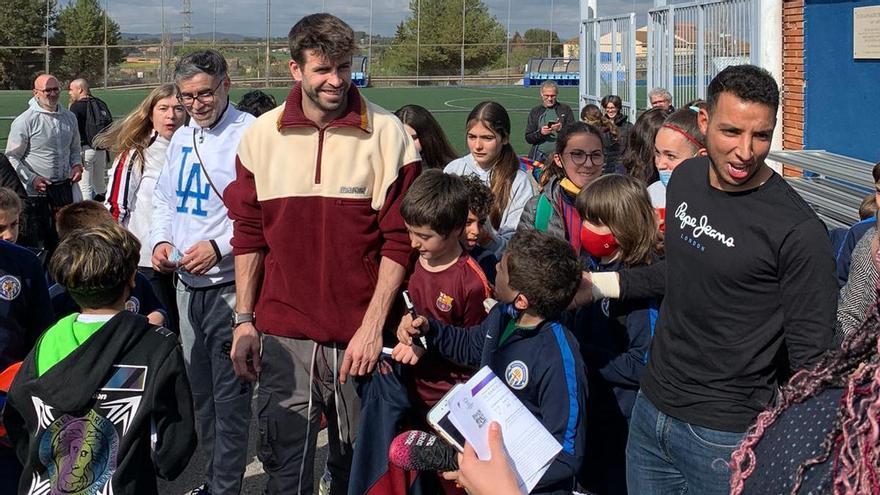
745 273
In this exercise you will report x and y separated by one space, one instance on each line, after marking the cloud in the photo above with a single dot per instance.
248 17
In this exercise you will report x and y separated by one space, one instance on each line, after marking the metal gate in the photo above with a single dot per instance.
608 62
688 44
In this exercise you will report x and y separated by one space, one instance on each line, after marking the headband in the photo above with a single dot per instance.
687 136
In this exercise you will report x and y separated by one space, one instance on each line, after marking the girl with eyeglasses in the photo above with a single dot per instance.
578 161
493 160
614 336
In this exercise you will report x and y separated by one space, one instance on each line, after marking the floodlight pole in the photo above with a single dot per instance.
370 40
507 71
214 30
418 39
47 36
162 55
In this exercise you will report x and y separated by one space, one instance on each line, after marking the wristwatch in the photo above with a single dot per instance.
240 318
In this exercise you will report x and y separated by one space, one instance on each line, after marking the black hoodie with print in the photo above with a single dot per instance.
108 418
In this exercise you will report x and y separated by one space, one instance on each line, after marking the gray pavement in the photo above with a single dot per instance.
254 476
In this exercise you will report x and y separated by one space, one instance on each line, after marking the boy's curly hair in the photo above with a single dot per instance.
545 270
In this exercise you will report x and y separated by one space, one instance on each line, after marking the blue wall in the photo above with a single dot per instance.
843 94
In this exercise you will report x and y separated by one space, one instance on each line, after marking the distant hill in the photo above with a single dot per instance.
235 38
154 37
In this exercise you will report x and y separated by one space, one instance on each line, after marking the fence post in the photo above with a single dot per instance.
47 37
633 69
670 47
588 9
463 7
701 51
268 37
614 51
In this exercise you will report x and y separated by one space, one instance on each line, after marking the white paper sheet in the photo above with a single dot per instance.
484 399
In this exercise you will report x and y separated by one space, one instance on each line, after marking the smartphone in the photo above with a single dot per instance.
438 418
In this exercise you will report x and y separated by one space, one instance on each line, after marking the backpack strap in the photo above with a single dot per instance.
542 214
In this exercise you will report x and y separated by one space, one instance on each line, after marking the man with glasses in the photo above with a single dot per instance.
44 148
191 236
546 121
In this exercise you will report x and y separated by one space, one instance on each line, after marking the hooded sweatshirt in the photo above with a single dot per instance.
186 208
101 408
43 143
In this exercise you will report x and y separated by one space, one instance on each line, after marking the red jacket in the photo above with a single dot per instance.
323 204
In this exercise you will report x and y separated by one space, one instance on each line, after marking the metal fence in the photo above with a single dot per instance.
262 59
688 44
609 57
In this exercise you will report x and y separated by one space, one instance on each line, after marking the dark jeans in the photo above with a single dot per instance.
668 456
163 287
37 228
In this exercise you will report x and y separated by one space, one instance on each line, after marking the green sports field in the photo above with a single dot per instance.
450 105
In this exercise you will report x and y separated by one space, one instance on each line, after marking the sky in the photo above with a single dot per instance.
248 17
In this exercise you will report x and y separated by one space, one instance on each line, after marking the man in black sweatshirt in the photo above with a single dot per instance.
748 268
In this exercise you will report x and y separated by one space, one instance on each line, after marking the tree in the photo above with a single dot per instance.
439 33
81 23
24 24
538 39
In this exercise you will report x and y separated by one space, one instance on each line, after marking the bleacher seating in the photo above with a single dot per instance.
562 70
833 184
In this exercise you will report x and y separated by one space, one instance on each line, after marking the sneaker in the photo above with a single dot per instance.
325 483
100 198
420 451
202 489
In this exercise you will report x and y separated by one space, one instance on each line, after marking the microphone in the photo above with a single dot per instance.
420 451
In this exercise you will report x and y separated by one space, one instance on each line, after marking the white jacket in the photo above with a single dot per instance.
186 209
43 143
521 192
130 194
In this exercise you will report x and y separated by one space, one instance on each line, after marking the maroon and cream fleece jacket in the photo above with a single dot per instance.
323 205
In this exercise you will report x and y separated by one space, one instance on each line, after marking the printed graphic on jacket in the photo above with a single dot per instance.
80 453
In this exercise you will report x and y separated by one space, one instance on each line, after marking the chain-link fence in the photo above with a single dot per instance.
405 42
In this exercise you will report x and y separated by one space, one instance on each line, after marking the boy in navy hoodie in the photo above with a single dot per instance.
525 346
142 300
25 313
102 403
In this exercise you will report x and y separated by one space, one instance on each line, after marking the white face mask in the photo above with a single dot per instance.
664 176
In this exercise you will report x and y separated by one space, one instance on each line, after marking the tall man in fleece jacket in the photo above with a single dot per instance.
320 250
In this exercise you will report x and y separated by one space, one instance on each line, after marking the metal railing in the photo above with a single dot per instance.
609 60
688 44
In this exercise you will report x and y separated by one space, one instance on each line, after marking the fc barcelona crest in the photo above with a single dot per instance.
444 303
